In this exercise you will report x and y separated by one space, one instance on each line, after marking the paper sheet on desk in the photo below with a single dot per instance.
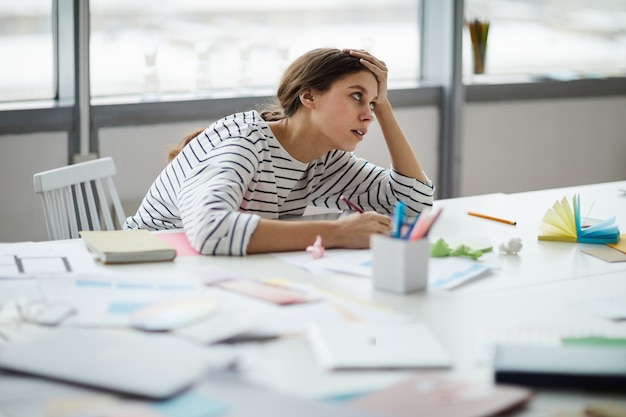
106 302
329 308
293 319
43 259
348 261
444 273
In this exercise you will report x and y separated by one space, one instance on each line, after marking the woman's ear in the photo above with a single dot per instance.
307 98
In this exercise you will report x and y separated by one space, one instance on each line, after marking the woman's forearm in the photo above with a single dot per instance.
403 158
283 236
352 232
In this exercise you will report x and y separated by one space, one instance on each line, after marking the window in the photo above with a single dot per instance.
238 47
26 46
559 39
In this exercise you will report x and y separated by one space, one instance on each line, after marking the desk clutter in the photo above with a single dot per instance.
291 334
122 341
120 334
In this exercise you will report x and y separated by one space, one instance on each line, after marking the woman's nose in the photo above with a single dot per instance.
367 114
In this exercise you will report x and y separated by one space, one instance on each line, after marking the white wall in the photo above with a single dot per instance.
507 147
21 156
140 153
531 145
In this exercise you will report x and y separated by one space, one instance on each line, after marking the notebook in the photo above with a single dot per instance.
376 345
585 367
149 365
124 246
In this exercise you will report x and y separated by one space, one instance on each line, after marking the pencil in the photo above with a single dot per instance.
351 204
484 216
479 30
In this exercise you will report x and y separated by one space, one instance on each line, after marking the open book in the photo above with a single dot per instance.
123 246
563 224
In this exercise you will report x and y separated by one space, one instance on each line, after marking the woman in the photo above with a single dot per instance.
230 183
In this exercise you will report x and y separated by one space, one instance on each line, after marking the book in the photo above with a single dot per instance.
563 223
126 246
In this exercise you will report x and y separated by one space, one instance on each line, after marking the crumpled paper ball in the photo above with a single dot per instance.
512 246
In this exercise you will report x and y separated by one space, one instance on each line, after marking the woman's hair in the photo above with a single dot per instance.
317 70
175 150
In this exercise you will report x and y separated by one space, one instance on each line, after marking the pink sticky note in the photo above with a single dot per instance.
179 241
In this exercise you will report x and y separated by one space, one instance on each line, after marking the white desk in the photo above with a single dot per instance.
539 261
529 298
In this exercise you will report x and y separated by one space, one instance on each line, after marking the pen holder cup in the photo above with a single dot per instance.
400 265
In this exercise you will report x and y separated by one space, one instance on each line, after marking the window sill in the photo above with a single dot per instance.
36 116
41 116
487 88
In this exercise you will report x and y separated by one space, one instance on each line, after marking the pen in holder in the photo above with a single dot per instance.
400 265
479 31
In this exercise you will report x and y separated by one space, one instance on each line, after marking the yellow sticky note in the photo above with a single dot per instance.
620 245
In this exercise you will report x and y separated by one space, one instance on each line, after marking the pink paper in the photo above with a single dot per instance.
179 241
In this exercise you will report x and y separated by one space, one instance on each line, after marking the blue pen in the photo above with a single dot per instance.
398 219
411 227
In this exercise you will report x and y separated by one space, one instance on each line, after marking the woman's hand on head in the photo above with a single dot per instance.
378 68
356 229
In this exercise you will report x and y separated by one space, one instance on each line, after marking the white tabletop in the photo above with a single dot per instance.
534 298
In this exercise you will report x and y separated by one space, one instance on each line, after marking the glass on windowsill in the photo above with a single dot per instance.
150 87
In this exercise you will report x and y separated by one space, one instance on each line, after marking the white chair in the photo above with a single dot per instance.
80 197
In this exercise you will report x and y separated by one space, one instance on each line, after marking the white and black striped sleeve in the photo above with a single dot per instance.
210 196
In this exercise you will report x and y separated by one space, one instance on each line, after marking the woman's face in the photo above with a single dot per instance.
343 113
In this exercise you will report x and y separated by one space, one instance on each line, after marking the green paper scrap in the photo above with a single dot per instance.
441 249
594 341
464 250
484 247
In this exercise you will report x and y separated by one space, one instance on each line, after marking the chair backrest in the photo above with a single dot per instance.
80 197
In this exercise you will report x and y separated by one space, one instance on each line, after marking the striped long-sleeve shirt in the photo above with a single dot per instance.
236 172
